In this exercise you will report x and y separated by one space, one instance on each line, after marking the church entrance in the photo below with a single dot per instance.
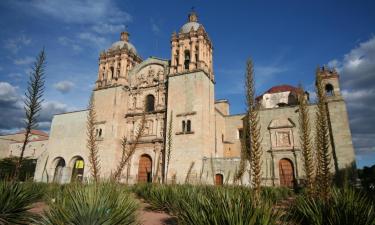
78 169
286 173
145 169
218 179
59 169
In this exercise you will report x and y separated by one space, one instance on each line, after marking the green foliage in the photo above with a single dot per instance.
345 207
210 204
8 167
15 201
100 203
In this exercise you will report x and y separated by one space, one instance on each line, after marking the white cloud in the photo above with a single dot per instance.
15 44
107 28
91 38
65 41
357 76
23 61
81 12
155 28
64 86
8 93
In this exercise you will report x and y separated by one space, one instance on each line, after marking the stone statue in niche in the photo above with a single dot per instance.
283 139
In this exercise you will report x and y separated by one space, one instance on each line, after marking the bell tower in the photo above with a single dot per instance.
331 84
191 48
116 62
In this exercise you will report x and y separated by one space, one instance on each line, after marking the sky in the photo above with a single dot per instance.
287 40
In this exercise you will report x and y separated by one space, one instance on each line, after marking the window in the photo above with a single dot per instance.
183 126
150 103
240 133
187 59
329 90
112 72
188 126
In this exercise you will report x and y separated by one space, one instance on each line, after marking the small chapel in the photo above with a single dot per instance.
206 138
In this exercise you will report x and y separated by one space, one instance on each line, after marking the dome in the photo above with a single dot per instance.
283 88
122 44
187 27
192 23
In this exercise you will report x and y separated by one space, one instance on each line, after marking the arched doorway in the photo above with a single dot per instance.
218 179
78 168
286 173
145 169
59 169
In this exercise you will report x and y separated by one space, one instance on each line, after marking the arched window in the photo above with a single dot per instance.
100 132
329 90
150 103
183 126
187 59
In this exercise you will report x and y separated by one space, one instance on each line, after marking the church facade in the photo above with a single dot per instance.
206 144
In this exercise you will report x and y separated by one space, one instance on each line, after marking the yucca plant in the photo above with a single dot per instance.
97 204
15 203
345 207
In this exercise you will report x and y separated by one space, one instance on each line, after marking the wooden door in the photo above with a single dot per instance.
145 169
286 173
219 179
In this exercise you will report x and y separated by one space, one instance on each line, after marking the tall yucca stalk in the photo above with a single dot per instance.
169 146
92 144
33 103
305 135
188 174
323 175
127 152
252 118
245 153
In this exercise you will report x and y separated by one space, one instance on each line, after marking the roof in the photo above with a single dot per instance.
36 132
188 26
281 88
122 44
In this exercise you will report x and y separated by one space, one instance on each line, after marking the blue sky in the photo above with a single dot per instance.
286 39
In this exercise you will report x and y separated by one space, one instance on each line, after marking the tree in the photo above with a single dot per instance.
252 118
323 174
92 145
127 152
305 135
33 103
169 147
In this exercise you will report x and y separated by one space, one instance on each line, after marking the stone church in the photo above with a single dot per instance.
205 136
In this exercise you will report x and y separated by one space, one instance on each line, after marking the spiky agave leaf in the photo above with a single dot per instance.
15 201
100 204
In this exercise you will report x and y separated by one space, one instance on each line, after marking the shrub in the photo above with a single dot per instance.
15 201
345 207
208 204
103 203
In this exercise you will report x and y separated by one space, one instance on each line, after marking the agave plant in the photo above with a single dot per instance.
208 204
15 203
97 204
345 207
